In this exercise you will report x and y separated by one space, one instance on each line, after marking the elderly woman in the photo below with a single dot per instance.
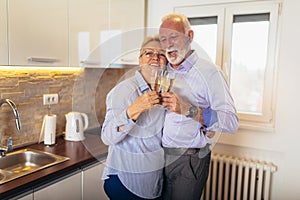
133 129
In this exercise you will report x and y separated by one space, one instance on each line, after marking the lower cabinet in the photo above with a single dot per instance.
26 197
84 184
92 185
66 188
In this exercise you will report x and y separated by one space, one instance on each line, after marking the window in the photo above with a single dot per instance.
241 39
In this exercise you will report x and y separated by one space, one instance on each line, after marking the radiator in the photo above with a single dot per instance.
233 178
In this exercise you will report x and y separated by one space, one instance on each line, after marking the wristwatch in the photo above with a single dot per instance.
192 111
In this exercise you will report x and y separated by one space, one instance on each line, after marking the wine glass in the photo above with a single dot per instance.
155 79
167 80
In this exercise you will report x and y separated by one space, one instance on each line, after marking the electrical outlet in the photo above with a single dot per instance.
50 99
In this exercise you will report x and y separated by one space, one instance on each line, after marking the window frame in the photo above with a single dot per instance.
225 15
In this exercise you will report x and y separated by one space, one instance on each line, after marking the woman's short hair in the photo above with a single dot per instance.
147 40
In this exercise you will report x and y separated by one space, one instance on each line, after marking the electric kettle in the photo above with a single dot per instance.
76 124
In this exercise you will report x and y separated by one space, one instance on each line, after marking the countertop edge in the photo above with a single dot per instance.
56 174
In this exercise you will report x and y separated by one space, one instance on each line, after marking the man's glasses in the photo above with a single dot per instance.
150 54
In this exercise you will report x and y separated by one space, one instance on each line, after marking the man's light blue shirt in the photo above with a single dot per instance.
201 83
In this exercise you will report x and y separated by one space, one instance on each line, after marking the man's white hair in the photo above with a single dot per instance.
183 18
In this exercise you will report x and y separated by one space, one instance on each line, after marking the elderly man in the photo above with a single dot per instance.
199 103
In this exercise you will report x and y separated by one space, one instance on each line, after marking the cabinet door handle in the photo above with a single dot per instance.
85 62
42 60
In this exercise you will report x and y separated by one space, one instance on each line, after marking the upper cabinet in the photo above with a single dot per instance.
87 20
3 33
38 32
105 31
130 18
127 15
68 32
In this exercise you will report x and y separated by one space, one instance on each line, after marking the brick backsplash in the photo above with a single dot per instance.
82 90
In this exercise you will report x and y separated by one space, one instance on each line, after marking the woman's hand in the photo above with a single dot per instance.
143 103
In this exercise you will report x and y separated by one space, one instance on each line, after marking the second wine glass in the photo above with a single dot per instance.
155 79
167 80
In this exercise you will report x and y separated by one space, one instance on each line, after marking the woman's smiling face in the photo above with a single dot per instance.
152 57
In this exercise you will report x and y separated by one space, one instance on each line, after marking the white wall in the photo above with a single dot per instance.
282 145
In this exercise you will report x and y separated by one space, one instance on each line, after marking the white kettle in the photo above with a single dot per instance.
76 124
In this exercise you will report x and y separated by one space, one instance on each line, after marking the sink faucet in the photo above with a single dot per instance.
8 148
13 106
14 109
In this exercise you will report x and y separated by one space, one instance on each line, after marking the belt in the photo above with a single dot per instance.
181 151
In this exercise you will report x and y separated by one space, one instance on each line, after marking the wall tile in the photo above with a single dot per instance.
83 91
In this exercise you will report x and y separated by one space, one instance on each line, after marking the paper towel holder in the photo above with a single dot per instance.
49 126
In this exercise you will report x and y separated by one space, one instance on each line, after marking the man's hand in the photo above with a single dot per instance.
175 103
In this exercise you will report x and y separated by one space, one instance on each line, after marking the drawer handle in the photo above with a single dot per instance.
85 62
42 60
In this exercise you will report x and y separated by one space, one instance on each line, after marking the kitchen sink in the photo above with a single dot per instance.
26 161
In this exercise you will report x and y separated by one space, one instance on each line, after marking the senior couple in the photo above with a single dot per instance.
156 141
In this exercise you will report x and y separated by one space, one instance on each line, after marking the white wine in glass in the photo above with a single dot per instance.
155 79
167 81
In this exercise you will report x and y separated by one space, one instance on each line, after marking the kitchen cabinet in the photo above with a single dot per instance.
3 33
84 184
127 15
38 32
87 20
66 188
67 33
92 185
99 30
26 197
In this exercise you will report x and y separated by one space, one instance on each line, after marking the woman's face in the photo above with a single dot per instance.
152 57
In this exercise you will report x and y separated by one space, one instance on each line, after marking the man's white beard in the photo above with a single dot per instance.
180 55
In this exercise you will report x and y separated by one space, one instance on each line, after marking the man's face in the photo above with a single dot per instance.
174 40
